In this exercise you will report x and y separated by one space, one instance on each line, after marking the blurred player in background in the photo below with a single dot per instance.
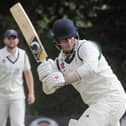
13 63
82 64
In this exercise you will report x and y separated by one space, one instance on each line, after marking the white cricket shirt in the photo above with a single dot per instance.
11 73
97 79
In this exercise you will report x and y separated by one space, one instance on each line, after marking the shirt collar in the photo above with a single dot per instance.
10 54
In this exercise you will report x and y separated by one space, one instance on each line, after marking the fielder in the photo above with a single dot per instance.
82 64
13 63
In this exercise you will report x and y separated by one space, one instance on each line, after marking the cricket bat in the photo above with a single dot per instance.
29 32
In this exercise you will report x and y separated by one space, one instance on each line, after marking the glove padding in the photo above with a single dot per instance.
46 68
46 90
52 82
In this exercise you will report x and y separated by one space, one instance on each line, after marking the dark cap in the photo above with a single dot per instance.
10 33
64 28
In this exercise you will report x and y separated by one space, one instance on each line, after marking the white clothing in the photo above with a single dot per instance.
15 109
12 97
101 114
11 73
97 78
98 83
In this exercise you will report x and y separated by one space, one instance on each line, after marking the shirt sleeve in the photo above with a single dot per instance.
27 65
89 53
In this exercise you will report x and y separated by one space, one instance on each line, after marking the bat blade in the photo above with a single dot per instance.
29 32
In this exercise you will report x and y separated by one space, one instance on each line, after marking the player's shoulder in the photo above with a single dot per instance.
3 50
87 43
84 42
22 51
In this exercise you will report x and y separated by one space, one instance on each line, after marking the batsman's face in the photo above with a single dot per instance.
11 42
67 44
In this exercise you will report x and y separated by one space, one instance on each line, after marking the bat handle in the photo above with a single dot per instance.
43 61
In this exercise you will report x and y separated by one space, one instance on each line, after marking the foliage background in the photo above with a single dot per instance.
103 21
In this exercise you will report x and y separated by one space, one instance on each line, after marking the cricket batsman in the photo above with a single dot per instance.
82 64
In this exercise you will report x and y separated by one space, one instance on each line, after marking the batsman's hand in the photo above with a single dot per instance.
52 82
45 68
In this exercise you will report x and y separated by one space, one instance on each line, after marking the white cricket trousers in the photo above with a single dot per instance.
14 109
102 114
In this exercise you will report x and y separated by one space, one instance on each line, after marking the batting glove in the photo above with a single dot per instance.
53 81
46 68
